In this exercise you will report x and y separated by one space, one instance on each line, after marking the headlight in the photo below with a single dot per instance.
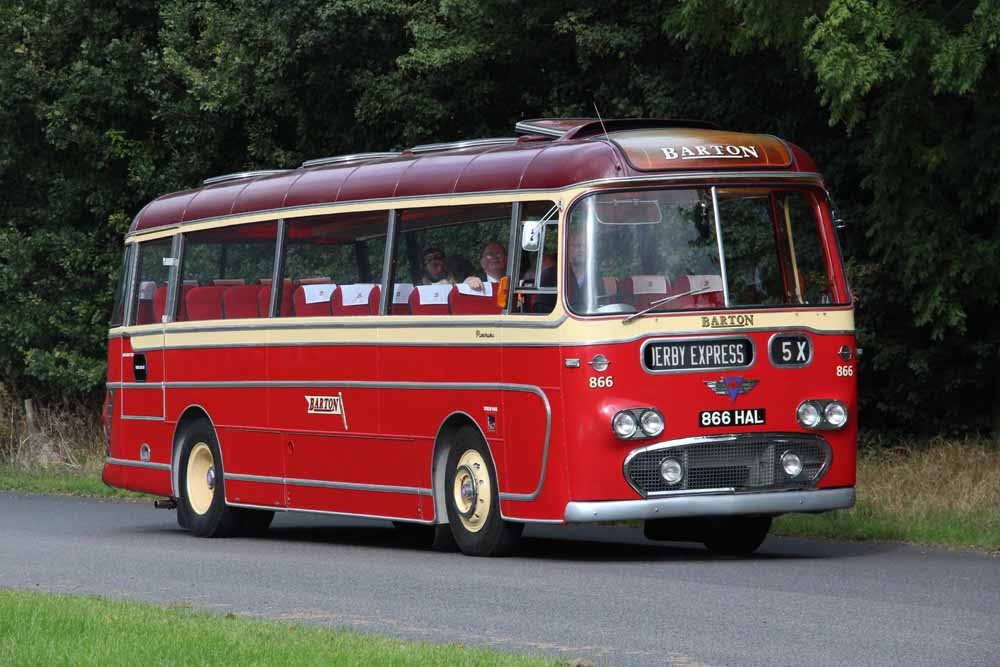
791 463
808 414
624 424
651 422
671 471
835 414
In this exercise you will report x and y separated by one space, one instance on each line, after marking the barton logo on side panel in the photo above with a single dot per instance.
327 405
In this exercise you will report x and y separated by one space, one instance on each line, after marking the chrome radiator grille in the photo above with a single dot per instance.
741 462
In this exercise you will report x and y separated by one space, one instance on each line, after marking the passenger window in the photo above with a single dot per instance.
224 270
535 289
333 264
149 298
448 260
118 311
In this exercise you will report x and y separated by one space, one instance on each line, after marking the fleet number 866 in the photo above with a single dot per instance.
602 381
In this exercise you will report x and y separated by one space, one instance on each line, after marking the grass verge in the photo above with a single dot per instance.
40 629
75 482
944 493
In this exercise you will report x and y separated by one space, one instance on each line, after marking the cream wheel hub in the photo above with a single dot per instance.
472 491
201 478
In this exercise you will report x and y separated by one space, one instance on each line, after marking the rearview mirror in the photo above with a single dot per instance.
531 235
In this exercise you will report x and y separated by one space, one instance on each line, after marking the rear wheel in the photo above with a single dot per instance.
737 536
202 504
473 501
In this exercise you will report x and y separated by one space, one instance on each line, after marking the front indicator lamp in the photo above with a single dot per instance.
637 423
828 415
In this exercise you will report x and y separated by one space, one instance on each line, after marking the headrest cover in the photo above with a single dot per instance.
318 293
433 294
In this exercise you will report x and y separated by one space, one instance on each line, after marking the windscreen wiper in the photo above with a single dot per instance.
667 299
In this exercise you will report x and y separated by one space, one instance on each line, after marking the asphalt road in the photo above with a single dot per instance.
600 594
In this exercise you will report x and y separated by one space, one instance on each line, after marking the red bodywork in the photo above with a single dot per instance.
398 399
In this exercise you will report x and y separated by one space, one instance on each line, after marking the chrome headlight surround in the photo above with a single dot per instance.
637 423
822 414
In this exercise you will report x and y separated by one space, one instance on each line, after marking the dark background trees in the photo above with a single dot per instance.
105 105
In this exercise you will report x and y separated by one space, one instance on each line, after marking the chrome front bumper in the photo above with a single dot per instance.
773 503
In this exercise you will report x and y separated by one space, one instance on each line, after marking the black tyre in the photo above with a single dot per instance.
473 500
737 536
254 523
202 504
437 537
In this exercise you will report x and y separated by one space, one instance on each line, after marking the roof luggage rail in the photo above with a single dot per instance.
469 143
343 159
240 175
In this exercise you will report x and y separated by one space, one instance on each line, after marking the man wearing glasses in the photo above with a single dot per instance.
493 261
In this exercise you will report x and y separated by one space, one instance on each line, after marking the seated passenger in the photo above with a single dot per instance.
493 260
435 270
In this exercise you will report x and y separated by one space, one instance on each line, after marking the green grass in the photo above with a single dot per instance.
66 482
943 493
40 629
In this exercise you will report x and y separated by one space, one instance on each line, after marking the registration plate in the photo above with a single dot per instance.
747 417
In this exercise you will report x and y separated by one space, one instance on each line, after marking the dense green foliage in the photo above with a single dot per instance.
104 106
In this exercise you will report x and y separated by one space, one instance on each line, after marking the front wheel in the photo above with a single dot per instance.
202 507
473 501
738 536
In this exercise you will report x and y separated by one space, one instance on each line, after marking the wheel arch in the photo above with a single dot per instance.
190 414
443 443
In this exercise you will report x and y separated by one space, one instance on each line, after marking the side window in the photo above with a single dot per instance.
224 272
149 297
805 259
118 311
333 264
536 285
449 258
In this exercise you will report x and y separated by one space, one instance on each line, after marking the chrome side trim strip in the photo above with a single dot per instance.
439 386
346 486
129 463
522 195
293 509
139 418
772 503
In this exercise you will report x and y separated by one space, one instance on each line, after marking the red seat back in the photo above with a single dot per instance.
204 303
356 299
640 291
241 301
430 299
313 299
159 306
709 287
464 300
401 299
264 299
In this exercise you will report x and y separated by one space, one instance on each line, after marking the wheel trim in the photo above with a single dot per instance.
472 491
200 478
